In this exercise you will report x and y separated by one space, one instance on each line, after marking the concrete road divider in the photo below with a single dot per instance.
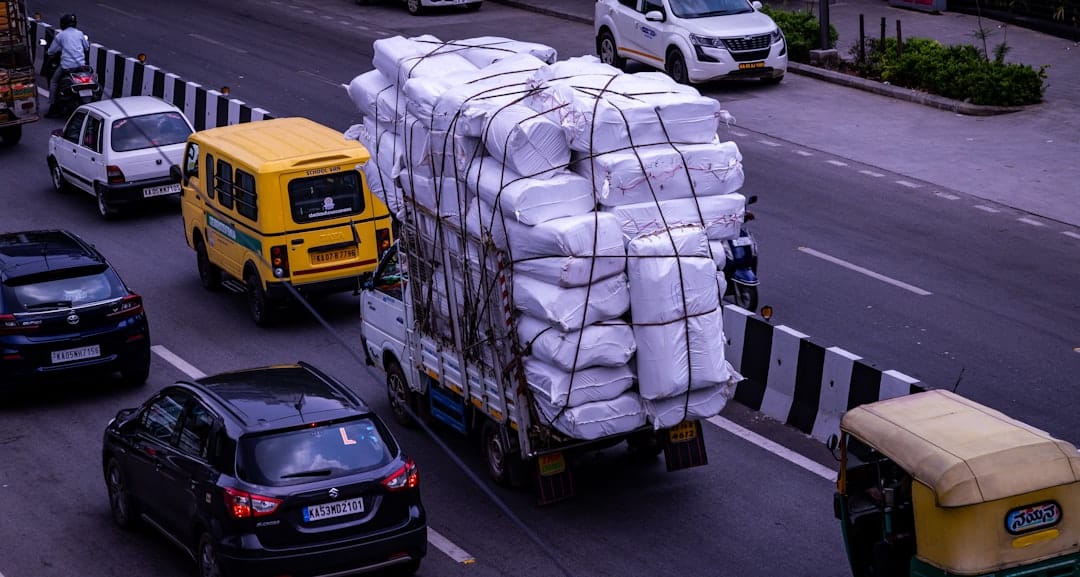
796 381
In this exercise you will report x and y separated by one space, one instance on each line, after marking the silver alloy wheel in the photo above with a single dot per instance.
495 453
607 50
102 206
397 391
208 566
414 6
57 177
118 497
677 68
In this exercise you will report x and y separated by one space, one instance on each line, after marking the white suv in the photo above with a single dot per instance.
692 40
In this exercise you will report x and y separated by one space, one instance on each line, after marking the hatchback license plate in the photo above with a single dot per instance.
78 354
161 190
751 65
333 255
334 509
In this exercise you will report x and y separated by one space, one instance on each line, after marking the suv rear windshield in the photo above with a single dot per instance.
327 196
321 452
148 130
66 291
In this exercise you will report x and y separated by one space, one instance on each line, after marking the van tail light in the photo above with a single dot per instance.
279 261
382 240
128 306
9 325
407 477
114 174
243 505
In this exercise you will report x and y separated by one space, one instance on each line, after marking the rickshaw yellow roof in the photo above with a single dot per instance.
966 452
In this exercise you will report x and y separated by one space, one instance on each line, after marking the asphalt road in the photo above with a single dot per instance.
1000 307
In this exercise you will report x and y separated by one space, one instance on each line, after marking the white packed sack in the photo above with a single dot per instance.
441 195
566 308
663 172
385 147
564 388
595 420
463 108
572 271
721 216
603 114
529 143
701 404
389 113
530 201
390 51
423 93
583 235
681 355
381 185
484 51
573 69
609 344
365 89
665 287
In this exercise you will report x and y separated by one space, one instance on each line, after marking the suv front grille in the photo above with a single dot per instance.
750 56
745 43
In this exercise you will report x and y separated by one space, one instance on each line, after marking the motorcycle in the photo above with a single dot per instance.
740 268
77 86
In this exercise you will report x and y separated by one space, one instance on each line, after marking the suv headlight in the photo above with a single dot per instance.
776 36
707 41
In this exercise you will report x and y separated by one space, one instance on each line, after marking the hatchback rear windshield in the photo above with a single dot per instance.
327 196
321 452
157 129
66 291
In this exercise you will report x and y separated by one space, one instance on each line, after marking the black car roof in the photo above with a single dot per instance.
39 251
281 396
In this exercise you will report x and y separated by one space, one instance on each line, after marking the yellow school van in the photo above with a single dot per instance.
277 202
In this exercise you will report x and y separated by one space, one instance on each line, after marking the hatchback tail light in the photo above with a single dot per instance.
407 477
115 175
9 325
128 306
279 261
243 505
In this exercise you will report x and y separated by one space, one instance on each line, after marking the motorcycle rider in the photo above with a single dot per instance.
73 47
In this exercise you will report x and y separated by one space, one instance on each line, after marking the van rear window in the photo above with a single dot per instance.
326 196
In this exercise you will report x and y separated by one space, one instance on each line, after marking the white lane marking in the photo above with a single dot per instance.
947 196
836 162
985 208
328 17
1030 221
321 78
125 13
871 173
174 360
217 43
908 184
443 544
1072 234
774 448
737 132
866 271
437 540
804 153
770 143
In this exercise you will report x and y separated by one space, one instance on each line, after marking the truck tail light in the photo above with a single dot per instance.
279 261
114 174
243 505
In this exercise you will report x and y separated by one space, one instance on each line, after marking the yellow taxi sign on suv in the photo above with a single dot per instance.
280 201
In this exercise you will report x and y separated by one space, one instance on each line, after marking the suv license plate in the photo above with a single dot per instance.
335 509
333 255
751 65
161 190
80 353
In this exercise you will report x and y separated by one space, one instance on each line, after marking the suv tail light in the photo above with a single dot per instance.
279 261
407 477
242 505
9 325
115 175
128 306
382 240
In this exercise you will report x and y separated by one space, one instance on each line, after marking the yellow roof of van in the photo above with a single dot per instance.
966 452
281 144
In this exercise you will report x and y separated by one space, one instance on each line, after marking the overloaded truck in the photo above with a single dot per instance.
555 286
18 90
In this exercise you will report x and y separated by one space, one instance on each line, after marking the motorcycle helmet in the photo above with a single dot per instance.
68 21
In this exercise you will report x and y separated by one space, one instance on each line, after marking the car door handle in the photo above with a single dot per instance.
370 307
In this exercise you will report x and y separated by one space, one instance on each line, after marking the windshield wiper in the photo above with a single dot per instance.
311 473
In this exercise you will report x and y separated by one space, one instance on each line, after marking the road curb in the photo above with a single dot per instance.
545 11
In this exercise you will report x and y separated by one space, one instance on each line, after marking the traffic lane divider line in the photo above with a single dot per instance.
774 448
435 538
865 271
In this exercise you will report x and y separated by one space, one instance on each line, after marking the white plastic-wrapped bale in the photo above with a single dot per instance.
561 388
530 201
399 59
595 420
383 185
483 51
444 196
609 344
570 309
364 91
698 404
584 235
720 216
462 109
526 142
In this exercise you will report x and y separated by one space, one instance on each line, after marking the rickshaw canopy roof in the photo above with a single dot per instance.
965 452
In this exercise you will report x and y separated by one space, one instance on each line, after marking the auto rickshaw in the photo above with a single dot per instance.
933 484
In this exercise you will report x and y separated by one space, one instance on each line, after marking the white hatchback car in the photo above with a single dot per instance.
119 150
692 40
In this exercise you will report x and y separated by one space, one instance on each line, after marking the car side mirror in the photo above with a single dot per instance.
176 174
58 132
757 5
654 16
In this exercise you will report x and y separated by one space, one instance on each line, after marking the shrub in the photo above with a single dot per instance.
802 31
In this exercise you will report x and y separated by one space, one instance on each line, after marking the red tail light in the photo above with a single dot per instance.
9 325
242 505
407 477
129 306
115 175
279 261
82 78
382 240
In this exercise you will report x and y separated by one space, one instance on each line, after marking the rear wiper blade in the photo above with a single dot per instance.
50 305
311 473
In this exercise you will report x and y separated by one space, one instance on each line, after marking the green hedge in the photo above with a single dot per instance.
802 31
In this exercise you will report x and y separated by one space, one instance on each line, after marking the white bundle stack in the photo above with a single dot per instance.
382 170
600 345
598 419
529 201
487 50
526 142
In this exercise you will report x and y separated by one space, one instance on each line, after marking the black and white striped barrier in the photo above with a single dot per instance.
801 383
125 76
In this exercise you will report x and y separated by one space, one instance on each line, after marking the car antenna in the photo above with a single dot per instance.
956 385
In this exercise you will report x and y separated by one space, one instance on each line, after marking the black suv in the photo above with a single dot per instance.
64 311
269 471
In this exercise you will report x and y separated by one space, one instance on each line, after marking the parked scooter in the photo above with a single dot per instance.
740 269
77 87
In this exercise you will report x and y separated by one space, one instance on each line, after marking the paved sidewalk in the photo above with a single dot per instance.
1029 160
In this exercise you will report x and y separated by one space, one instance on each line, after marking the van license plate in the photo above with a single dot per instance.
335 509
333 255
161 190
751 65
78 354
